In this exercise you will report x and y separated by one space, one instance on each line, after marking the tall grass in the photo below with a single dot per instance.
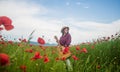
101 57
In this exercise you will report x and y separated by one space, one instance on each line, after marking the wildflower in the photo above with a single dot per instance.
37 56
29 50
74 57
66 50
83 43
4 59
31 45
46 59
9 27
88 43
98 66
108 38
23 68
63 58
94 43
57 59
10 42
1 28
0 36
2 42
84 50
6 22
41 41
24 40
19 44
43 48
53 51
77 48
92 47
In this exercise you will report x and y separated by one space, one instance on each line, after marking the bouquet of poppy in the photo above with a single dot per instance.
64 52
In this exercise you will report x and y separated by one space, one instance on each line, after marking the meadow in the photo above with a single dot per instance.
102 55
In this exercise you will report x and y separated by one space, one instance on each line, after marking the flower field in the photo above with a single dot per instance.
102 55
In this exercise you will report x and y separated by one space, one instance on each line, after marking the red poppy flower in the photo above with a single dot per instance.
95 43
10 42
4 59
66 50
37 56
23 68
0 36
19 44
53 52
24 40
41 41
84 50
1 28
46 59
83 43
98 66
43 48
57 59
29 50
77 48
2 42
31 45
92 47
0 21
7 22
9 27
88 43
63 58
74 57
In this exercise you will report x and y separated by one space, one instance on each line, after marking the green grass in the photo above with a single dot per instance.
104 57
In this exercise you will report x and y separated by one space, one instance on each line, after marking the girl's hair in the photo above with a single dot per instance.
62 30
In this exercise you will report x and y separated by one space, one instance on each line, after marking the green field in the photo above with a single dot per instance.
101 56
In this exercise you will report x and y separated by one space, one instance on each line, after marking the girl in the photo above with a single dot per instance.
65 39
64 42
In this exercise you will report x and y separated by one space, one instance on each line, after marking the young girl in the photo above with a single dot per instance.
64 42
65 39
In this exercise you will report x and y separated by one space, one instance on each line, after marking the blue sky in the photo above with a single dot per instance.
83 10
87 19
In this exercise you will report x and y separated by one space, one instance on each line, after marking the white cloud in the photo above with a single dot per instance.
86 31
16 8
27 17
